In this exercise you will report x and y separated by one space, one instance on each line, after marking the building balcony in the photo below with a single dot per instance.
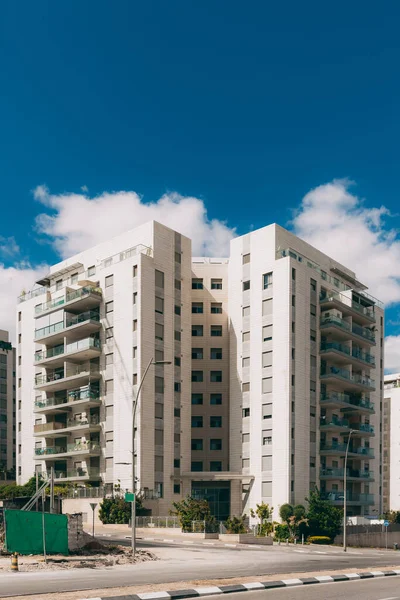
351 498
333 374
345 331
72 327
363 429
334 399
352 474
81 474
345 354
60 379
340 450
82 397
82 299
77 449
334 424
347 306
55 429
85 349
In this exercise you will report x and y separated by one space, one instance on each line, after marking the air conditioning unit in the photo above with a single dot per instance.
331 313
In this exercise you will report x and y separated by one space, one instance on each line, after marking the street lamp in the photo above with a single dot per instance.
135 403
345 492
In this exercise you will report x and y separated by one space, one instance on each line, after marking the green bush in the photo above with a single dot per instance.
319 539
115 511
282 532
190 509
236 524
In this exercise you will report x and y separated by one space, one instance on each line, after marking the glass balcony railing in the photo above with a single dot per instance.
352 401
90 473
50 353
356 329
55 425
70 321
68 449
58 374
364 356
350 473
82 446
334 422
340 448
363 332
333 320
327 346
50 450
86 393
367 311
345 374
363 427
335 496
86 344
69 297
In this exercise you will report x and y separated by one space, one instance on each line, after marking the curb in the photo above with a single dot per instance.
248 587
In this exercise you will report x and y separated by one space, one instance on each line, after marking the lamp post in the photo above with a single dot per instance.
135 403
345 493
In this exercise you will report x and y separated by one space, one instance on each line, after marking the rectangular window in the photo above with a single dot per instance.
177 463
159 331
293 353
159 305
197 284
109 386
216 284
266 463
177 488
216 331
109 333
246 259
313 386
109 280
267 333
134 271
159 279
266 489
267 437
293 300
59 285
197 399
313 310
197 376
74 278
246 386
177 336
294 274
19 317
134 352
267 307
197 444
178 284
197 330
134 325
177 413
245 463
215 465
215 444
246 362
178 257
159 355
159 463
246 285
267 411
134 298
313 411
313 285
197 308
246 311
177 386
215 421
216 376
177 310
216 353
159 410
246 336
293 380
313 335
245 438
197 353
109 307
267 359
267 385
91 271
245 412
267 280
197 465
216 308
215 399
109 359
313 437
159 385
197 421
177 361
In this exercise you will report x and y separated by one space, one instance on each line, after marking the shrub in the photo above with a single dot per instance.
282 532
115 511
319 539
236 524
190 509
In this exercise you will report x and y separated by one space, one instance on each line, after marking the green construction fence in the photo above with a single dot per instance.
24 532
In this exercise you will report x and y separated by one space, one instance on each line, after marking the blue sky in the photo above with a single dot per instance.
236 104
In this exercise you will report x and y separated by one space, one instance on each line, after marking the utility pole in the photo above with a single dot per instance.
52 490
345 494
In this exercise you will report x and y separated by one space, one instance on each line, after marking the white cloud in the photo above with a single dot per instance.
78 222
14 280
8 246
392 354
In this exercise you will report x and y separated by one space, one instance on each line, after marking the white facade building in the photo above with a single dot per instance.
276 356
391 443
7 408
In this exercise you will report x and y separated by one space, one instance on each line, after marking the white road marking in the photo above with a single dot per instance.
207 591
254 586
292 582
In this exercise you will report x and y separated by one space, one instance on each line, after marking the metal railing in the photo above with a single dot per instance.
162 522
333 421
350 473
357 329
76 473
71 396
70 321
367 311
340 397
55 426
345 374
335 496
340 448
58 374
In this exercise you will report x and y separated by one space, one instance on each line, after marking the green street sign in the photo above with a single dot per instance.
129 497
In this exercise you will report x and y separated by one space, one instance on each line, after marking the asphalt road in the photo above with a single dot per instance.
387 588
186 563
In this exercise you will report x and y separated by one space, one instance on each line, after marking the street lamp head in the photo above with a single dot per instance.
161 362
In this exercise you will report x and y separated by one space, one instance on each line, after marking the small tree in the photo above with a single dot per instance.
190 509
323 518
236 524
294 518
116 511
263 512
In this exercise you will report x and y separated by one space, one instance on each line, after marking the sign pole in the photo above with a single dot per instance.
93 507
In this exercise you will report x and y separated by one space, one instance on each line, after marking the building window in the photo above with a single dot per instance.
216 376
216 308
216 331
178 284
159 385
159 331
246 386
177 361
313 285
134 297
197 284
177 386
159 279
197 353
177 488
109 307
159 305
134 270
19 317
216 284
246 336
267 437
197 399
216 444
293 300
159 355
313 310
267 359
266 489
197 330
197 465
246 259
267 307
267 333
216 353
134 379
267 411
215 399
59 285
197 376
177 463
197 444
109 359
177 413
197 308
267 280
246 285
215 421
110 333
177 310
246 311
267 385
91 271
74 278
245 463
134 351
177 336
109 386
313 335
178 257
245 438
197 421
294 274
109 281
134 325
246 362
215 465
245 412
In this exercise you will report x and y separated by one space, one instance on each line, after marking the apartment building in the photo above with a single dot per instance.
85 338
276 359
7 408
390 443
305 374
